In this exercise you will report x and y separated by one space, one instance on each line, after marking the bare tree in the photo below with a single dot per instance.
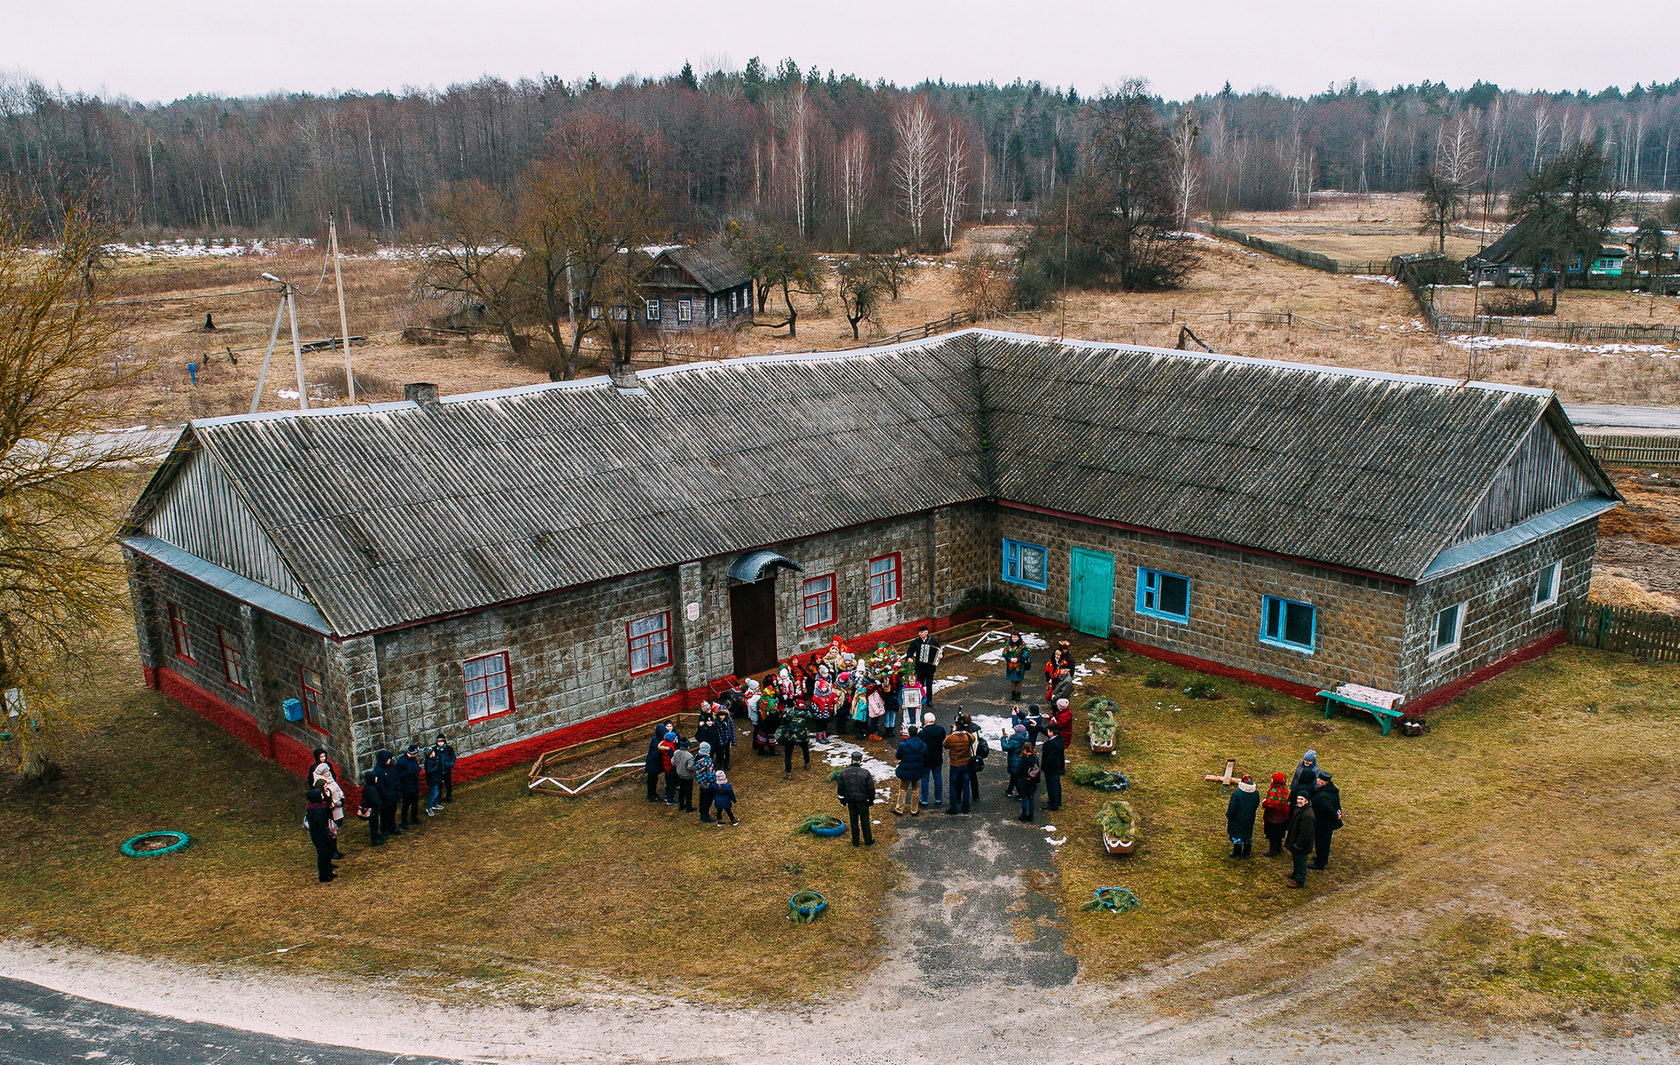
794 115
953 184
1187 182
60 587
913 164
475 257
985 285
854 179
861 284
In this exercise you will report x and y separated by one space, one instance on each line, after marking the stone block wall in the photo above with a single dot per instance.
1361 620
1499 614
275 651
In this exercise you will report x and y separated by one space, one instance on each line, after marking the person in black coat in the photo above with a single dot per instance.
655 764
317 817
933 738
1299 839
924 653
1052 762
857 791
374 806
408 776
1327 817
390 793
1305 778
447 750
1239 817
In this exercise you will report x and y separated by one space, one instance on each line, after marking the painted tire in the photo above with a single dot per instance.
131 847
808 903
837 829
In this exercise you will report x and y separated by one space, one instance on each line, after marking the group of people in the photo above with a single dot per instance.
836 691
699 763
392 785
1302 812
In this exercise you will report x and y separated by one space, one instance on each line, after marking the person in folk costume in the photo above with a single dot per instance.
822 709
835 657
1060 658
924 653
1277 810
769 717
1017 659
877 704
890 688
910 700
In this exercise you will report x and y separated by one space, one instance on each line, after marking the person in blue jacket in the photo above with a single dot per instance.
907 778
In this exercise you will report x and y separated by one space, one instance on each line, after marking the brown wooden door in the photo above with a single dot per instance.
752 611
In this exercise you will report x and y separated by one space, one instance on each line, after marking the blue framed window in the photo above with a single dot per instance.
1163 595
1025 563
1286 623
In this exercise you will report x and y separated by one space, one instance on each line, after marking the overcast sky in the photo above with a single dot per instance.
163 49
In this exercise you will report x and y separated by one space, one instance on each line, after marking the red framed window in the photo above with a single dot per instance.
819 602
310 687
233 660
178 632
489 686
885 583
650 642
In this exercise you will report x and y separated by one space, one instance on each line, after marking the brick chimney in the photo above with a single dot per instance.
624 377
423 392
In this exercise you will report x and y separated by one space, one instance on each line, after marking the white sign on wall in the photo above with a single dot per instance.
693 612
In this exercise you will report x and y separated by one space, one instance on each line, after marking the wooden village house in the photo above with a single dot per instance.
525 567
699 286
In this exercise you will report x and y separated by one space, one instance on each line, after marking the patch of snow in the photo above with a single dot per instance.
1080 672
990 657
1382 278
992 727
1097 658
948 682
1484 343
1056 842
1049 828
1034 640
837 752
287 393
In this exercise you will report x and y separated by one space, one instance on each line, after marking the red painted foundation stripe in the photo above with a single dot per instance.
1435 697
213 708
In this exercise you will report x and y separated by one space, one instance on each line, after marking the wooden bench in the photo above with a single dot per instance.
1384 706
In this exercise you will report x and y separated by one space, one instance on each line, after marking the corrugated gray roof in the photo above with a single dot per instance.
714 266
399 512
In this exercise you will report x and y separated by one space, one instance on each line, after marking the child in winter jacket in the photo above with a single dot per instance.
724 800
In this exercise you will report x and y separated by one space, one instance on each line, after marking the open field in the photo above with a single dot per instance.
1364 323
1589 306
1363 228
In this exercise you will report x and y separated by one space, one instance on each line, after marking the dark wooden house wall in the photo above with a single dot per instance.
1539 477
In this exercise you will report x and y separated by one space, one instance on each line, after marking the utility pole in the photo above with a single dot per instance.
343 322
1067 218
288 304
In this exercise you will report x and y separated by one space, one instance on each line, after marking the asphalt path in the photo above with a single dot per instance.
1614 416
40 1026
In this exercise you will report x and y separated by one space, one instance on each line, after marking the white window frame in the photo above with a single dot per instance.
495 699
1556 572
685 309
648 640
653 310
734 297
1438 649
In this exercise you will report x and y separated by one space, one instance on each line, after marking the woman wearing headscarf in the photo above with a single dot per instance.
1239 817
1276 818
1017 659
323 778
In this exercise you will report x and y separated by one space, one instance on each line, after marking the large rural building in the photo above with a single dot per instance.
561 560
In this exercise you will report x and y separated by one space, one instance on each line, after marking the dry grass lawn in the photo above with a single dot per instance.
1590 306
1363 228
520 896
1515 863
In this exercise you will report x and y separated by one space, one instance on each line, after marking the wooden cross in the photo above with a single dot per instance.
1227 778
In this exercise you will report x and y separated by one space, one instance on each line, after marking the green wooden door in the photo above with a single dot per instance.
1090 591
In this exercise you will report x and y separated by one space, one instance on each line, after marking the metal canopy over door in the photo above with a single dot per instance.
752 612
1090 591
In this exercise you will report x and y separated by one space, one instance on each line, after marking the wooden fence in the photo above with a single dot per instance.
1572 332
1653 637
1632 449
1300 256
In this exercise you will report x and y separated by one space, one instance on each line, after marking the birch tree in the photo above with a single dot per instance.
1186 182
953 184
913 164
854 180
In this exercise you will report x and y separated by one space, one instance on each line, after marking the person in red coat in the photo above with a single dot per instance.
1063 717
